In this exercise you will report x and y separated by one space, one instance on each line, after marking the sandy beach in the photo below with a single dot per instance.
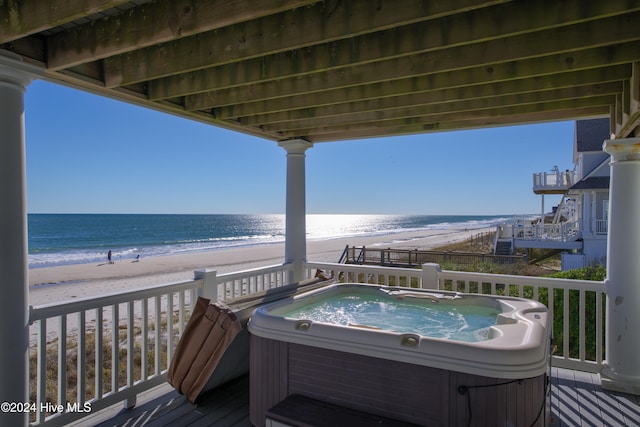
55 284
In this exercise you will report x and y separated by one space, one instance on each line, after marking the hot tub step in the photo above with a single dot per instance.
301 411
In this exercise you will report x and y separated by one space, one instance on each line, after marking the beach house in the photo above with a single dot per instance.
300 73
577 226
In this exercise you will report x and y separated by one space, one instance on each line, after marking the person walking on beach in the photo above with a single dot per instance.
109 257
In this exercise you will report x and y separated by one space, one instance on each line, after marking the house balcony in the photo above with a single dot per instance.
554 182
103 335
524 235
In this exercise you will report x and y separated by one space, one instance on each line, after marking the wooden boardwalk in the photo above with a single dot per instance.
576 399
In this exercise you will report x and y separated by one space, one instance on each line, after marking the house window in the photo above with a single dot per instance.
603 224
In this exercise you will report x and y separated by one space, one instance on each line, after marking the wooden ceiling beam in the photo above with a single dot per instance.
461 110
330 69
453 105
453 124
153 23
21 18
293 29
396 99
426 36
537 70
629 125
561 40
463 125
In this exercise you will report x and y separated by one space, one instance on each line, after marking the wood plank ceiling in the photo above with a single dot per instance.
338 69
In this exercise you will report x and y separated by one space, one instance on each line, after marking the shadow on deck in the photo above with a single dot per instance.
576 399
227 405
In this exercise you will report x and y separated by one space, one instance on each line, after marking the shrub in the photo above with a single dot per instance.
595 272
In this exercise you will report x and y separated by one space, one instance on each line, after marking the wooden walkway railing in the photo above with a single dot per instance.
362 255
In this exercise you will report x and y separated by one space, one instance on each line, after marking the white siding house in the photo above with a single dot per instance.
579 225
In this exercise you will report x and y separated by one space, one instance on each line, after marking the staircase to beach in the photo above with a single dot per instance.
503 247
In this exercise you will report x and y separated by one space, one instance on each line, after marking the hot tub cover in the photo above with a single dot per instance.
208 334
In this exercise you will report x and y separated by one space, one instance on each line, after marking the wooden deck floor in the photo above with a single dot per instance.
576 399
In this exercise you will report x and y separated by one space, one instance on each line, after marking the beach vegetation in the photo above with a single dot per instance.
592 272
488 267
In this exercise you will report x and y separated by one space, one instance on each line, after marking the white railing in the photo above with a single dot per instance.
134 333
104 350
601 226
234 285
564 232
576 308
555 179
353 273
567 301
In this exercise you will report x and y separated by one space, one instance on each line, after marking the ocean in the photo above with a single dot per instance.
61 239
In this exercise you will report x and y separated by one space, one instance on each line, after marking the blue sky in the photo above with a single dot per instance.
90 154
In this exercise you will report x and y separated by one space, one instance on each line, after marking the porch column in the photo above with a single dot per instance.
621 369
14 314
295 247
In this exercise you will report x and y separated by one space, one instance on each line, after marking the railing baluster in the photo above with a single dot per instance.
62 359
565 326
581 321
170 313
99 353
115 347
157 335
551 304
144 345
41 369
81 363
130 343
599 326
181 308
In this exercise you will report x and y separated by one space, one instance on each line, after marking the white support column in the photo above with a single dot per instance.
622 365
540 227
295 248
14 314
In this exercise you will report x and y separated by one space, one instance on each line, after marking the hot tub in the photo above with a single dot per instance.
488 362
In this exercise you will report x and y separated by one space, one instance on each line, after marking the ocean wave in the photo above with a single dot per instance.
50 243
118 254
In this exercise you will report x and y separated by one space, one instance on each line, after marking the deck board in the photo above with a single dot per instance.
576 399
